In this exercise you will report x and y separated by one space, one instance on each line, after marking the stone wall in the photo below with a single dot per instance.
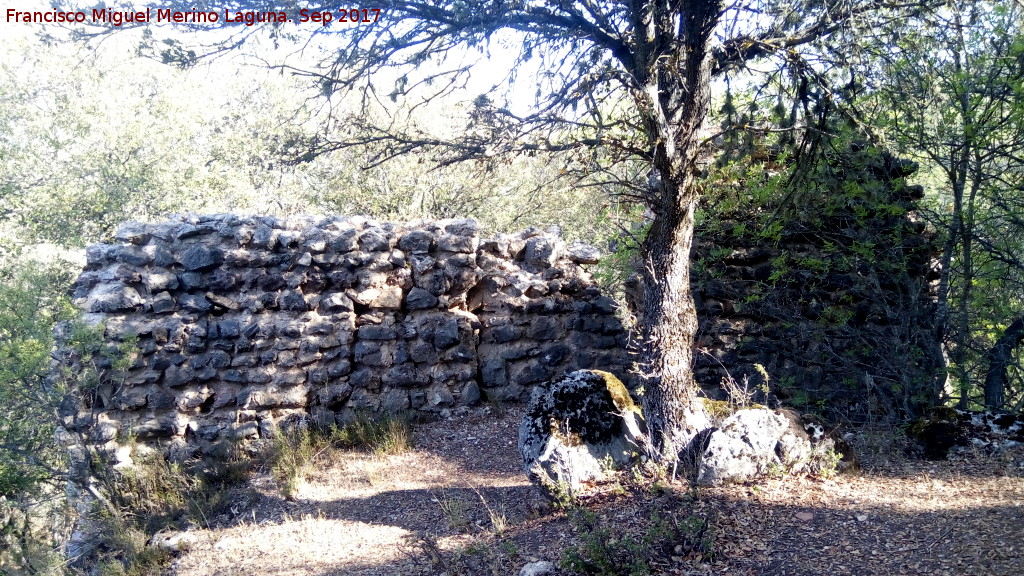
836 301
236 324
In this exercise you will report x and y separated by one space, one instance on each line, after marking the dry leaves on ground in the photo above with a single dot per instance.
459 504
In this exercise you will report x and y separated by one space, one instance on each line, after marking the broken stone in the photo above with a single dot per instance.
748 443
201 258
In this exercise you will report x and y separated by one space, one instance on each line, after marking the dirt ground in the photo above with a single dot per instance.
458 503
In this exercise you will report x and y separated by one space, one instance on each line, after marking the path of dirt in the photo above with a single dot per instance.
458 504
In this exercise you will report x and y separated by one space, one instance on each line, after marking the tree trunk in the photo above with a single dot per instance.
670 323
675 98
999 357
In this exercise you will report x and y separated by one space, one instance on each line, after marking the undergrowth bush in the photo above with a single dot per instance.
660 528
387 434
610 550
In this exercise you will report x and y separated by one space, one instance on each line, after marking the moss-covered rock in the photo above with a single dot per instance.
576 428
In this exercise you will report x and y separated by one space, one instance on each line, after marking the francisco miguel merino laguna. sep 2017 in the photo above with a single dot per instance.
249 18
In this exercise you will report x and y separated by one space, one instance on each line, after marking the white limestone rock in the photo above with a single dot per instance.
749 443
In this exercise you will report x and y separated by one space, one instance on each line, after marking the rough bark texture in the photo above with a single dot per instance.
675 98
999 358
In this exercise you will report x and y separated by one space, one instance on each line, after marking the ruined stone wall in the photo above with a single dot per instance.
836 302
236 324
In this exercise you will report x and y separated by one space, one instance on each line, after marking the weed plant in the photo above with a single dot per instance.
662 529
292 451
155 495
378 434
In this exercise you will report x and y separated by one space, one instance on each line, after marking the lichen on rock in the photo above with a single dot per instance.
575 427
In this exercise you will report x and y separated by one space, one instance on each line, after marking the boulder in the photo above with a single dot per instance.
541 568
945 431
750 443
110 298
583 253
576 428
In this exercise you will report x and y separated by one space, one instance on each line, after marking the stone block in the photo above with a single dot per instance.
339 368
503 334
583 253
289 377
423 352
438 397
434 281
179 376
554 354
446 332
542 251
371 353
335 302
395 401
194 303
466 244
162 303
133 232
529 373
416 242
363 399
318 376
293 300
374 240
544 328
399 375
388 297
110 298
470 395
574 426
494 373
419 299
376 332
335 396
461 354
236 376
200 258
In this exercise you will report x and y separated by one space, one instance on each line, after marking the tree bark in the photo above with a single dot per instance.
675 98
670 323
999 357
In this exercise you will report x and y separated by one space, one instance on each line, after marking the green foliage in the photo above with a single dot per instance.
29 308
826 464
293 450
950 97
154 495
815 261
127 553
289 455
614 268
129 146
377 433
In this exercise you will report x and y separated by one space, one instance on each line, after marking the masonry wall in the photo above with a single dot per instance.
237 324
837 305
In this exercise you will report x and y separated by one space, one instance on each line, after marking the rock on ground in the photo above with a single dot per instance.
542 568
576 428
750 442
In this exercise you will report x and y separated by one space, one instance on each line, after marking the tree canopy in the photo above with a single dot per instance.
631 79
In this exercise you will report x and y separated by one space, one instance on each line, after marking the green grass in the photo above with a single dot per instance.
156 495
291 452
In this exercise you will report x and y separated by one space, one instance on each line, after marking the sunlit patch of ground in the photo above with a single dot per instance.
459 504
